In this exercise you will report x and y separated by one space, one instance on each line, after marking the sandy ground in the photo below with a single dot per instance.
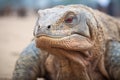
15 34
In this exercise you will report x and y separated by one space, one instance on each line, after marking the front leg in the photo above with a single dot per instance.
112 59
30 64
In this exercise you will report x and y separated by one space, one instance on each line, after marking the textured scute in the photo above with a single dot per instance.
29 66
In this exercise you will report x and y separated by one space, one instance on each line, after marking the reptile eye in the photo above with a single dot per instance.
69 20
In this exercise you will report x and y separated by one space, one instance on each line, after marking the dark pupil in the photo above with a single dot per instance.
69 20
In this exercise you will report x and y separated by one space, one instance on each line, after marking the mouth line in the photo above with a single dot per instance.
79 34
58 37
49 36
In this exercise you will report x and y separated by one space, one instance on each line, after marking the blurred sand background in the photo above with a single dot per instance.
15 34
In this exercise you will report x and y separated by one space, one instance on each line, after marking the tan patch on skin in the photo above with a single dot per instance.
69 43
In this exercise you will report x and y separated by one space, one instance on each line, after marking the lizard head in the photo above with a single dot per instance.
71 32
64 30
66 26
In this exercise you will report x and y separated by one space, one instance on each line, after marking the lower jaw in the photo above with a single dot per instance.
71 55
62 47
73 42
46 44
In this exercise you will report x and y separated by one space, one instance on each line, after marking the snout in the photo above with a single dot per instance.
41 30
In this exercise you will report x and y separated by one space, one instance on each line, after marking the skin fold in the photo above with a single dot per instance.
74 42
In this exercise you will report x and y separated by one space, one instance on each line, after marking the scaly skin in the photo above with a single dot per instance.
76 43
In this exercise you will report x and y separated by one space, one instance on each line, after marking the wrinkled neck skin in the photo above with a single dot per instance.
77 50
66 46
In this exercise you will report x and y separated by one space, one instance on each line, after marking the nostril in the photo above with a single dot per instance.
49 26
39 26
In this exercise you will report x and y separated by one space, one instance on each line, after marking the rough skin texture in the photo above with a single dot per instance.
73 42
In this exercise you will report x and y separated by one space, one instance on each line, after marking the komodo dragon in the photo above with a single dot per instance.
73 42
